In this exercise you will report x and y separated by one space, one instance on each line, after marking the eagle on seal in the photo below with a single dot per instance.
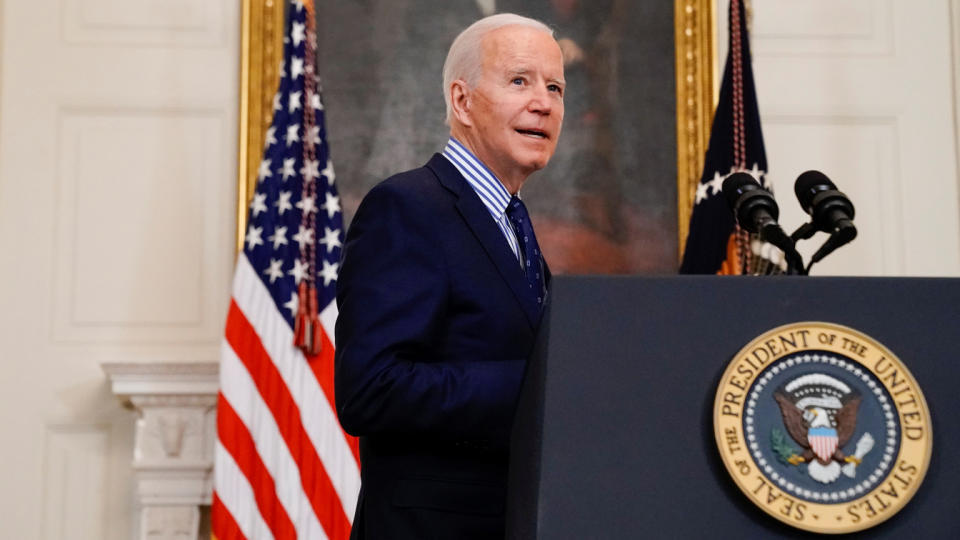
820 413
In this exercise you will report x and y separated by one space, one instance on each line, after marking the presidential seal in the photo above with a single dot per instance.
822 427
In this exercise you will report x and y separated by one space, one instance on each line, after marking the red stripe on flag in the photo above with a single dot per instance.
322 367
222 524
313 476
235 437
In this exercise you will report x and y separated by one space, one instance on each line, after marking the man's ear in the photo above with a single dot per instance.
460 102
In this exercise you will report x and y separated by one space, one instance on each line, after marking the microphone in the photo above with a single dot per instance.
756 211
831 210
753 206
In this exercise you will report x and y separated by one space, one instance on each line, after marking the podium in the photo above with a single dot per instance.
614 435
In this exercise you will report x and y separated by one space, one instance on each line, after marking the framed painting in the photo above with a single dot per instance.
615 198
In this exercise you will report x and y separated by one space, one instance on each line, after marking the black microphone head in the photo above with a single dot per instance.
752 205
808 185
819 197
736 185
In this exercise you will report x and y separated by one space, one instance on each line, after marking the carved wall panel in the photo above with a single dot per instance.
144 23
75 482
137 222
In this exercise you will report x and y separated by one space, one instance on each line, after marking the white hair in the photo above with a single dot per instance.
465 58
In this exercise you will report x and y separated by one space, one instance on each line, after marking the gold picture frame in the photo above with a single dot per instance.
695 50
695 35
261 50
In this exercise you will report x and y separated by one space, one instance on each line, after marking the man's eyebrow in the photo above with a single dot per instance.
554 80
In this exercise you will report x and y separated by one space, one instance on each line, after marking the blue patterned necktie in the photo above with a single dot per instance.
532 259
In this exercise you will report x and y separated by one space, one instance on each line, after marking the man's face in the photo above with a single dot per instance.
517 105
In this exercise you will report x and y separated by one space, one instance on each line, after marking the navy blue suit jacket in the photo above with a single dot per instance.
436 323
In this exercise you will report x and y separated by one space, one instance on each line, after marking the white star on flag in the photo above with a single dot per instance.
306 205
283 202
264 170
316 103
758 174
293 303
258 204
274 271
271 137
292 133
314 136
299 271
328 172
303 237
702 192
296 68
329 272
310 169
299 33
279 237
288 170
331 205
253 237
717 183
294 102
331 238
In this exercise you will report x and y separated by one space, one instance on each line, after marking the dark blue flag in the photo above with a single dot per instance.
715 244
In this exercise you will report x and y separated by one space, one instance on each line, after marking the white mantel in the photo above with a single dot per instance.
175 436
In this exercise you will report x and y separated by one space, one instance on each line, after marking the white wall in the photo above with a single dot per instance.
117 181
863 91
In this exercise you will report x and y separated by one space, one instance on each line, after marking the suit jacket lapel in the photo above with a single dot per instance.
488 234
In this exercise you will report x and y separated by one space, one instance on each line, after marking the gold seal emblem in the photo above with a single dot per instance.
822 427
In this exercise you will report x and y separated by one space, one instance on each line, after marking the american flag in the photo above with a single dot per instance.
715 244
283 467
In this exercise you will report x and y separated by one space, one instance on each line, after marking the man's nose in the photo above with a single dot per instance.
540 101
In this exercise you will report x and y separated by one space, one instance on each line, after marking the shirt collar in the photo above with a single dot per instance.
488 187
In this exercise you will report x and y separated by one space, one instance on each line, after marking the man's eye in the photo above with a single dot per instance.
517 81
555 88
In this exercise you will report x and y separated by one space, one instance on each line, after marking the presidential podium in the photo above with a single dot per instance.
614 434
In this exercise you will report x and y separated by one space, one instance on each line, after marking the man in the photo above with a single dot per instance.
441 293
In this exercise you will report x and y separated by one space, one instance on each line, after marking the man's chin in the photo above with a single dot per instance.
536 160
534 166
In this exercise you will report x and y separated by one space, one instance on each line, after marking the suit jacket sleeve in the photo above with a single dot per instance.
395 307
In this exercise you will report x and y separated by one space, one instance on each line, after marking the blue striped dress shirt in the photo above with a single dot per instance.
487 186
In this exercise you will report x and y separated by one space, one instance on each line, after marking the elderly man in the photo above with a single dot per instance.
441 293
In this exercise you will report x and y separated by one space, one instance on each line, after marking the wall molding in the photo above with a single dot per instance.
143 24
198 322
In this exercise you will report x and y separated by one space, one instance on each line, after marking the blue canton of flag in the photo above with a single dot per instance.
295 228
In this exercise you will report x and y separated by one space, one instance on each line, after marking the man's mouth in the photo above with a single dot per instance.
533 133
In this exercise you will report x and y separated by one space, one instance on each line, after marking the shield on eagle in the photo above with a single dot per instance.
823 442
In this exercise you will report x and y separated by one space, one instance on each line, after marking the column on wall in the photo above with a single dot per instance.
175 436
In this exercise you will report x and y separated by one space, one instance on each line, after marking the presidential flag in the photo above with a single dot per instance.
283 467
715 244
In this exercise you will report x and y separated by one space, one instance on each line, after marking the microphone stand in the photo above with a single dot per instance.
773 234
840 236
